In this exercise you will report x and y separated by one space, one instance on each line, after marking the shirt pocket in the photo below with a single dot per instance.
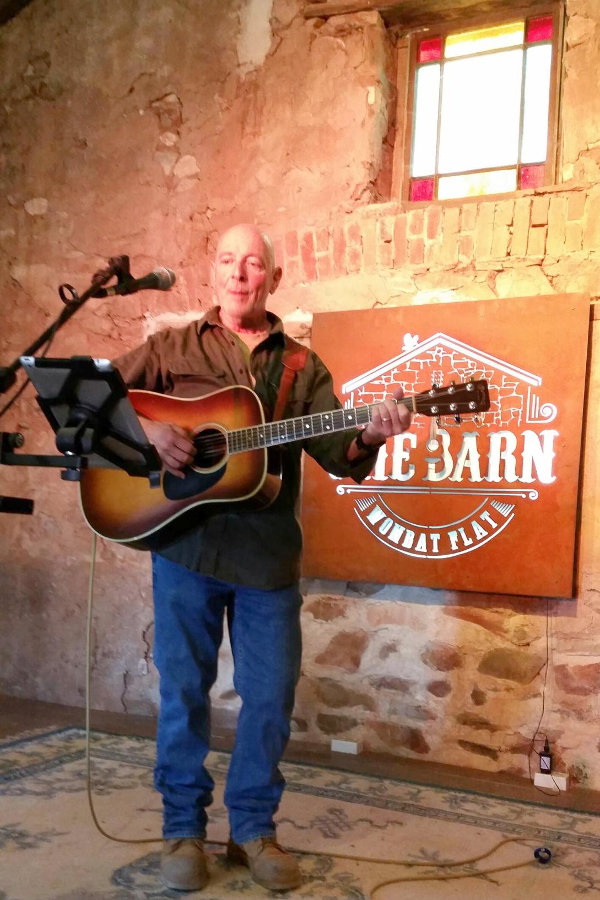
183 381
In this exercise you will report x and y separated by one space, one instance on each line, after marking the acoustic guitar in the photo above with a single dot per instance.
231 440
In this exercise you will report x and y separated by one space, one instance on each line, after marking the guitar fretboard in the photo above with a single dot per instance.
270 434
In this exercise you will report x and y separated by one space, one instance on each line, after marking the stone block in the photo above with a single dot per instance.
504 212
484 231
416 251
369 244
557 213
385 254
512 665
539 210
441 657
324 267
307 256
395 736
451 220
339 250
465 248
337 695
322 238
520 229
434 222
400 241
468 217
354 234
536 244
573 237
327 609
354 259
591 228
416 219
576 205
335 724
439 688
345 651
583 681
479 749
500 241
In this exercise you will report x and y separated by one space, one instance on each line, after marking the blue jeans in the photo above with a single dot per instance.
264 629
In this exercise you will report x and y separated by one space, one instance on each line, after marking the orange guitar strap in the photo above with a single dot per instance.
294 357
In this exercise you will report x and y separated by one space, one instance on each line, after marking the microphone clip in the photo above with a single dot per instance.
118 266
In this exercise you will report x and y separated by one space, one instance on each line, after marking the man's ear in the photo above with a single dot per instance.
276 278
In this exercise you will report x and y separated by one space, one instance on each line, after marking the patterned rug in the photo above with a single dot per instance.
50 848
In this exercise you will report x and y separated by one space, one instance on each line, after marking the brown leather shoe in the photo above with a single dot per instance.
183 864
270 865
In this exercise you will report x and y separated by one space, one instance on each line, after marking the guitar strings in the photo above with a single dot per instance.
217 443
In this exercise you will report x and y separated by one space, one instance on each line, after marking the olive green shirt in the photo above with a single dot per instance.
254 548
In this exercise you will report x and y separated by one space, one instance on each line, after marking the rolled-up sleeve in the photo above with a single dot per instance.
140 368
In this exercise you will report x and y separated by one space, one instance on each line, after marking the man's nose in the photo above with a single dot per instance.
239 269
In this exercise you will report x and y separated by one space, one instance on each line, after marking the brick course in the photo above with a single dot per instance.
482 234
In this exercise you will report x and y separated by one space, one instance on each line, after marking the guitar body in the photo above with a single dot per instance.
126 509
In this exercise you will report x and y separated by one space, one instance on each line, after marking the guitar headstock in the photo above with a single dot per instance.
453 399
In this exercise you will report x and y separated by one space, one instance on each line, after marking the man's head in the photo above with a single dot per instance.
244 276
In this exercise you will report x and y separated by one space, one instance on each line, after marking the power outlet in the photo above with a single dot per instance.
552 782
345 747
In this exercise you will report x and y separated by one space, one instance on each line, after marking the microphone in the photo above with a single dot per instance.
159 280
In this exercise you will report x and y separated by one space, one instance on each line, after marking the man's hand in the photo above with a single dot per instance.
172 443
387 419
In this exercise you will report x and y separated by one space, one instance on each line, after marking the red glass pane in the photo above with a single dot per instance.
532 176
430 49
539 29
421 189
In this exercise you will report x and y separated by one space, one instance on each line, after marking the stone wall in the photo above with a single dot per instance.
146 128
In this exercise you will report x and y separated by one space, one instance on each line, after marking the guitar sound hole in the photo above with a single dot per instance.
211 447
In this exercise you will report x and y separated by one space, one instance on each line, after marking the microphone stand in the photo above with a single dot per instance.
117 265
91 427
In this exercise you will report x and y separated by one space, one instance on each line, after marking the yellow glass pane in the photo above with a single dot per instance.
499 182
498 37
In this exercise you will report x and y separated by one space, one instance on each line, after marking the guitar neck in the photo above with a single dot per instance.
285 431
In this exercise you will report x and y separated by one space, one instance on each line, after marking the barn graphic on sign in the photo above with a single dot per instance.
477 471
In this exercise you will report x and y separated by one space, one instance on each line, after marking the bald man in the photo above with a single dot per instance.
237 562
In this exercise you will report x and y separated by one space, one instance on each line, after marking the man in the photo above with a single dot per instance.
240 562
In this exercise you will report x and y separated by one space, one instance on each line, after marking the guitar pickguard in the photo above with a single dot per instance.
194 483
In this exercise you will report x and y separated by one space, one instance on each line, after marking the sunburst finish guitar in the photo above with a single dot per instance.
231 440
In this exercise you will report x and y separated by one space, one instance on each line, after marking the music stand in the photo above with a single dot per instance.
85 401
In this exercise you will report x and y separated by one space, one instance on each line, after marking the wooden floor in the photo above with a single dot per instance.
18 716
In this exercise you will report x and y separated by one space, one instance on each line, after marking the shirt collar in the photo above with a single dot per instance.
211 320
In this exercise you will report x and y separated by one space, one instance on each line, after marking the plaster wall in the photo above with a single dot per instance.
144 129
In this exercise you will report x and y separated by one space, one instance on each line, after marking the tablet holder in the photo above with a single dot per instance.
85 401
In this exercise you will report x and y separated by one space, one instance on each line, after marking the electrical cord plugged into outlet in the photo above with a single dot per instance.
546 777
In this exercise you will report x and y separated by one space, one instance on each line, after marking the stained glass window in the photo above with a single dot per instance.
481 110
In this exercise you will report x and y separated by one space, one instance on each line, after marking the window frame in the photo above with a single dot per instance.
407 50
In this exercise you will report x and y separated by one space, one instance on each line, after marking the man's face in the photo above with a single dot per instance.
244 275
